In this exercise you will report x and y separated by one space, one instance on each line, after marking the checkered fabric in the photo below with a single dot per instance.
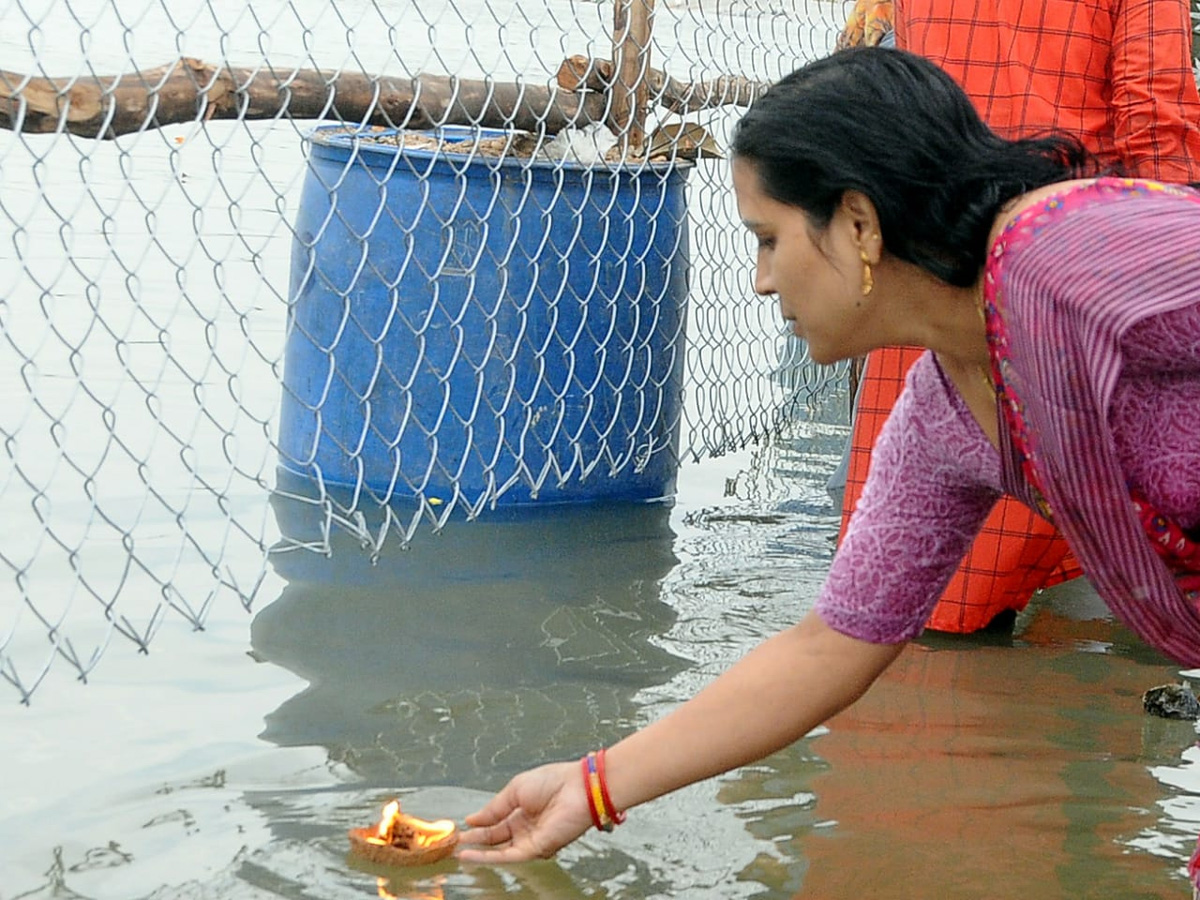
1116 73
1015 554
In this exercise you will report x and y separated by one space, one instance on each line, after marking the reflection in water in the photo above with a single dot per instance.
477 652
975 770
976 767
491 646
531 881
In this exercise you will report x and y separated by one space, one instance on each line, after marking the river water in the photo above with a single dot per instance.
230 763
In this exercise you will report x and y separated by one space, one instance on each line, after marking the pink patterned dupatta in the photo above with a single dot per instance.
1055 360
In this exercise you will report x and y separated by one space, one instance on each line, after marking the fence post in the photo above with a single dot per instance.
631 70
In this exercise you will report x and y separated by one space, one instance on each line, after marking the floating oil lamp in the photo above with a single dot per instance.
404 840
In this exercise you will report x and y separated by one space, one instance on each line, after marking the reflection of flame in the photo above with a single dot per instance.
385 888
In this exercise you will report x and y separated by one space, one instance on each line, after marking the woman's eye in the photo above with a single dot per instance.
766 243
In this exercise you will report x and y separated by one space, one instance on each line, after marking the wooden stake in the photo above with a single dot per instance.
631 61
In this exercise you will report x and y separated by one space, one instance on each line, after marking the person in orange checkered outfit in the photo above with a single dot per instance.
1115 73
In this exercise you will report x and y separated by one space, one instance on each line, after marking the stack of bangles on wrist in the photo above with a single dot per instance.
604 814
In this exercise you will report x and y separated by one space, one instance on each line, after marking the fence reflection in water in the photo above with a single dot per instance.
477 651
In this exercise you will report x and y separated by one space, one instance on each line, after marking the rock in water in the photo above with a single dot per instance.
1172 701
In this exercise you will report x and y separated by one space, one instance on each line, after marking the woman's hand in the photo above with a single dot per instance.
537 814
775 695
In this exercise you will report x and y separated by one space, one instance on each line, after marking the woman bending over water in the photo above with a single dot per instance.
1061 317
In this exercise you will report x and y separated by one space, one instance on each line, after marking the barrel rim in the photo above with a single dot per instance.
343 140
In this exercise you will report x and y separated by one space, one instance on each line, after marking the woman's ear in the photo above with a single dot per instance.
860 216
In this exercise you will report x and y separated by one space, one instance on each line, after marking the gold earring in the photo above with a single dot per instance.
868 280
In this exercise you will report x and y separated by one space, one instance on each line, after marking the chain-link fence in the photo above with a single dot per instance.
452 296
457 294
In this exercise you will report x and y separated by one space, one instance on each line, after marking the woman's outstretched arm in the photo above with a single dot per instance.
773 696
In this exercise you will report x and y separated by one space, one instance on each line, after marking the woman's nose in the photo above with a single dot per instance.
763 283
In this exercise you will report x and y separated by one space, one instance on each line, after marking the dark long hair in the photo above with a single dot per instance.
897 128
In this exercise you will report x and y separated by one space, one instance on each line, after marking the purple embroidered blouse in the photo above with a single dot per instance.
1101 304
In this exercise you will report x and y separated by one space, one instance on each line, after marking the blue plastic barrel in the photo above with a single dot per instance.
484 329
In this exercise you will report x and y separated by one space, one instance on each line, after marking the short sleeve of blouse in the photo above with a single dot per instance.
934 477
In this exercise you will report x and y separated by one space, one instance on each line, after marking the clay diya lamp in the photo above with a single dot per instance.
403 840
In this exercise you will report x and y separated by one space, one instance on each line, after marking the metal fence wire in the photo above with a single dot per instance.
381 262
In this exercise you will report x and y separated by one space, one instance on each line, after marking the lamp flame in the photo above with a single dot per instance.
400 830
430 833
402 840
391 813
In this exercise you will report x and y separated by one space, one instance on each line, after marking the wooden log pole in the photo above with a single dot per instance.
190 90
631 63
578 73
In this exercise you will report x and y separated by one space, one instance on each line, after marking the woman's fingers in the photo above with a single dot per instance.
510 854
499 808
513 840
530 818
489 835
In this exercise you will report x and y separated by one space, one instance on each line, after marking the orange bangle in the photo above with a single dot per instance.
617 816
591 787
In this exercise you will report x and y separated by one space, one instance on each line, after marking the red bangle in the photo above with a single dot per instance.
617 816
591 796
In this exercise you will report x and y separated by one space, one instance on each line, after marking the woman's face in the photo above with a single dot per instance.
817 276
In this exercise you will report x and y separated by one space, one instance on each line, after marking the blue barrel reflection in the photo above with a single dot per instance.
476 651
